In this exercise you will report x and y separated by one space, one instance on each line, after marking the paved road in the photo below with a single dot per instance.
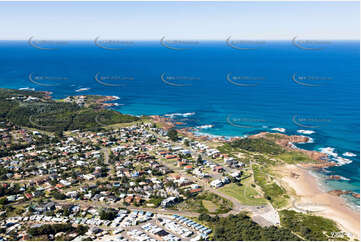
106 155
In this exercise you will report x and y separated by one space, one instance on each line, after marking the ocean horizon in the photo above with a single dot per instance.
221 88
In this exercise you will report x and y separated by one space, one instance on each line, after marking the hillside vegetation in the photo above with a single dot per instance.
50 115
260 145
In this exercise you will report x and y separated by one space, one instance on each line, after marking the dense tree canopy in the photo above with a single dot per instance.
257 145
172 134
50 115
241 227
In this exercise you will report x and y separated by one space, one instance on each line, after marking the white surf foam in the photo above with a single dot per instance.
282 130
301 131
206 126
329 151
335 157
27 89
342 161
172 115
349 154
82 89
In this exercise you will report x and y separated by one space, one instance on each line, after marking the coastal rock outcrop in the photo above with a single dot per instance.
344 192
164 122
287 141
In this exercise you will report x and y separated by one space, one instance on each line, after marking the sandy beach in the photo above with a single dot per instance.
306 194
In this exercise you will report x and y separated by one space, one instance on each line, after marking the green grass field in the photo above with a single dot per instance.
210 206
294 157
206 202
246 194
278 196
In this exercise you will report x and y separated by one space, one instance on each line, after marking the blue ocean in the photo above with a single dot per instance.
218 88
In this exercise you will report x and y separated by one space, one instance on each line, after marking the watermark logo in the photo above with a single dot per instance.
244 44
309 80
243 81
42 121
112 80
309 122
178 44
46 80
304 44
112 44
178 81
46 44
245 121
341 234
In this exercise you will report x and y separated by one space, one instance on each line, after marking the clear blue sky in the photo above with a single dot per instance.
179 20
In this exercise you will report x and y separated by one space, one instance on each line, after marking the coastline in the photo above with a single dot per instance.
287 141
306 193
306 189
303 188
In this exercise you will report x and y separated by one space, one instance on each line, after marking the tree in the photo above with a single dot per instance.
59 196
66 212
241 227
82 229
59 133
3 201
199 159
172 134
107 214
205 217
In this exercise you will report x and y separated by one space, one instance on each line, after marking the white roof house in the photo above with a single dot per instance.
216 183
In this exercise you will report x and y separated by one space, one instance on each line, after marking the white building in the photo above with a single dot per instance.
216 183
